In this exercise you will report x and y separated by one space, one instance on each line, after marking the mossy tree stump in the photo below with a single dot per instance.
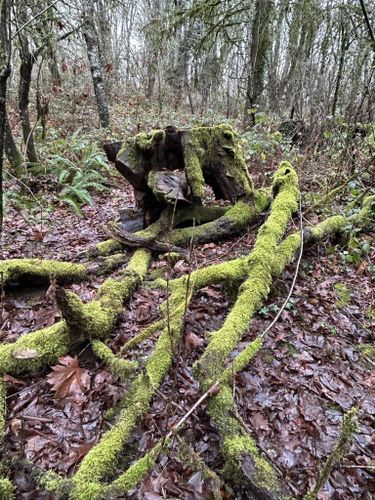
169 166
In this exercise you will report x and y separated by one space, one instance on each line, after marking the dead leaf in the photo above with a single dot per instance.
68 379
192 341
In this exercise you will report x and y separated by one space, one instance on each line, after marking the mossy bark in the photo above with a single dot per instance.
37 271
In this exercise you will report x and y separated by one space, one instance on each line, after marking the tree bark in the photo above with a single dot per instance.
4 74
11 150
93 53
259 45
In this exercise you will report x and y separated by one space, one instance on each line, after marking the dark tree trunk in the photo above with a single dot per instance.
92 43
259 45
26 68
11 150
4 74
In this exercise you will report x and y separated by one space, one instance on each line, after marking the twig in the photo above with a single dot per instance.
34 18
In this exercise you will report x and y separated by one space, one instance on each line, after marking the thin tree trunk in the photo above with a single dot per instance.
258 53
92 43
344 48
26 68
4 74
11 150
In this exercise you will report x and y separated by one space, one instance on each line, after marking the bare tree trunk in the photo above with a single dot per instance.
4 74
259 44
26 68
92 43
344 48
11 150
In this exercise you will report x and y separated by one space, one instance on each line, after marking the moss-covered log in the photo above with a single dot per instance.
38 271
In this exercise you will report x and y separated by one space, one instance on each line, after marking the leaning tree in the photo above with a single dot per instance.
168 170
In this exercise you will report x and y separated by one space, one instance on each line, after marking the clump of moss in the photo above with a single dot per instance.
136 472
7 490
367 350
108 246
38 270
207 145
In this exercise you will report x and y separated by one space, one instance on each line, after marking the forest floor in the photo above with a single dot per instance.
291 397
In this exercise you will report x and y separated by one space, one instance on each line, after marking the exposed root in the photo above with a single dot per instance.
189 456
37 271
349 427
93 320
121 368
101 460
135 241
143 335
236 220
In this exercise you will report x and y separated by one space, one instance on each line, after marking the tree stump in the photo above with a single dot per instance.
172 166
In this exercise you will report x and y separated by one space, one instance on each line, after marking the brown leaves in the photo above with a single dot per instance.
68 380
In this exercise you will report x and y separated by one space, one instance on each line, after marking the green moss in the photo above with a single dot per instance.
259 268
20 270
146 141
207 145
49 343
343 294
331 226
3 407
235 220
143 335
367 350
244 357
112 262
96 321
140 261
51 481
119 367
366 215
138 470
102 458
236 443
7 490
108 246
349 427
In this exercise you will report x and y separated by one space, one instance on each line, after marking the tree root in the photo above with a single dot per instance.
119 367
94 320
101 460
218 223
143 335
349 427
135 241
39 271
